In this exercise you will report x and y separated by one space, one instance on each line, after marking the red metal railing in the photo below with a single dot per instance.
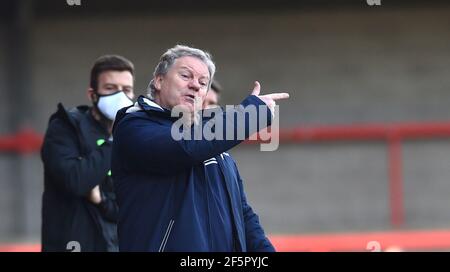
25 141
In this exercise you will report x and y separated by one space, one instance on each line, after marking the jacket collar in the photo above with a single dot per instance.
72 116
143 103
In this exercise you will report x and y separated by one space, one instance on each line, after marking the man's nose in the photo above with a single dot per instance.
194 85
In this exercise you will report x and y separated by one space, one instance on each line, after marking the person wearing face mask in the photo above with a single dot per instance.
79 210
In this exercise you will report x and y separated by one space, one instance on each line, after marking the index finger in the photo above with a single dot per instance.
278 96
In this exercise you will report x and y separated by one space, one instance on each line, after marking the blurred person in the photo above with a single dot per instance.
212 96
78 205
182 195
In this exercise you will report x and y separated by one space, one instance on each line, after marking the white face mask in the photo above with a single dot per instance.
110 104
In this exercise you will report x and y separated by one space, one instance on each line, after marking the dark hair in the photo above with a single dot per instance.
109 63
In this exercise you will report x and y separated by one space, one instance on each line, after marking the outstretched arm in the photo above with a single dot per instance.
152 147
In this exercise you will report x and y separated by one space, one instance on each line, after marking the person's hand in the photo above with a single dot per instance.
269 99
95 196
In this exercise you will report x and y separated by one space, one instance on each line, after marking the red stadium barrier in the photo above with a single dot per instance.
424 240
18 247
25 141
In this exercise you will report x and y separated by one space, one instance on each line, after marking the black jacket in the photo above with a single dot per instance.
77 156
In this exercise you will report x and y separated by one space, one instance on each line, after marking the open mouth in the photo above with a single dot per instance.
190 98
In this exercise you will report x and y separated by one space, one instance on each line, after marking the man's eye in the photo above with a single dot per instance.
184 76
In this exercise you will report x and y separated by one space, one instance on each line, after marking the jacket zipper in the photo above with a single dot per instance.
210 242
166 236
230 199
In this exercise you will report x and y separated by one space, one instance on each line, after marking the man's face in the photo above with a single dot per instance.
185 84
211 99
111 81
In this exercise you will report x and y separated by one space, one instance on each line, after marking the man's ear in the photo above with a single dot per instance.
158 82
92 96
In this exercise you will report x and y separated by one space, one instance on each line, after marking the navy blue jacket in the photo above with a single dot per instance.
160 182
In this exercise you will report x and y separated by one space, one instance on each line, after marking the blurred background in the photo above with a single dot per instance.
365 146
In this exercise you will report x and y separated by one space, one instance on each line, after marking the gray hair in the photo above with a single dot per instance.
171 55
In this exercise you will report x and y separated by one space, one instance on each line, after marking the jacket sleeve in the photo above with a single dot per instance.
66 166
144 145
255 237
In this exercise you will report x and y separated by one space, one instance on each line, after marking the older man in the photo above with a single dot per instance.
182 195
